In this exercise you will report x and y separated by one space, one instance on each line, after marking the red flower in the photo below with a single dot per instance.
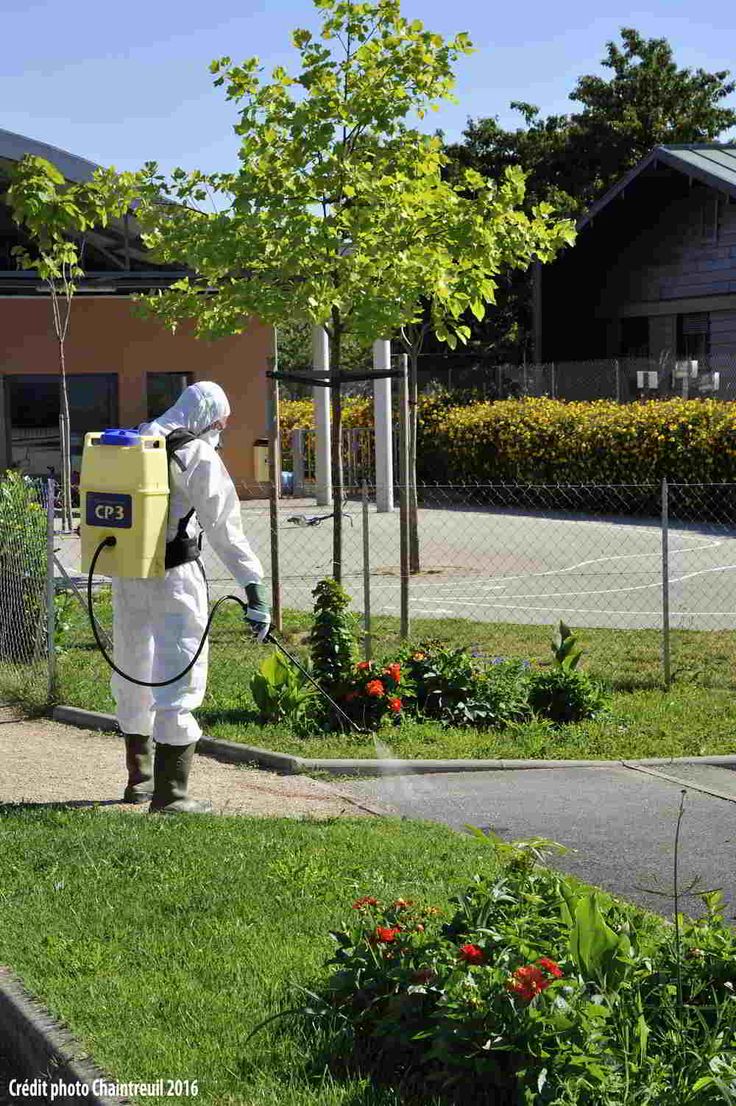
364 666
375 688
351 696
395 705
471 954
385 934
402 904
367 900
550 966
528 982
394 671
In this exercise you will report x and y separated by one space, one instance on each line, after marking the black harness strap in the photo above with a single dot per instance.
181 549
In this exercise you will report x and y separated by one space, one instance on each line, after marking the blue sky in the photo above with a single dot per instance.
125 84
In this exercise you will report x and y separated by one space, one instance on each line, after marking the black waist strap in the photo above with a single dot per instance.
182 549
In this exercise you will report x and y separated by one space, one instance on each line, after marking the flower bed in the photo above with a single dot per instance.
534 991
425 681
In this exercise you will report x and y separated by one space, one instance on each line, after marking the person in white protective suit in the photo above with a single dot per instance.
158 623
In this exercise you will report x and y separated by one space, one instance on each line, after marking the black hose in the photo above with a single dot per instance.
109 541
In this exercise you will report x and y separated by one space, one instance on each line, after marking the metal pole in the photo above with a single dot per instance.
274 468
367 646
665 586
297 463
322 429
50 589
384 478
404 494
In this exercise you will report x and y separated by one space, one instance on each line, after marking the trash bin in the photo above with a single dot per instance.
260 460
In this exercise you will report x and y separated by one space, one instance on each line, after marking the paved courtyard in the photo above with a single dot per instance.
496 565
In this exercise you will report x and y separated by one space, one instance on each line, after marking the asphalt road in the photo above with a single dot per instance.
618 823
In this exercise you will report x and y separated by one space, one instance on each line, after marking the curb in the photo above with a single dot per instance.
235 753
44 1050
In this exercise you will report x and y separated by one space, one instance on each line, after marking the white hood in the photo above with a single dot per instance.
197 407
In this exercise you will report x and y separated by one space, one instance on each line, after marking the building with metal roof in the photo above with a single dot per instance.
653 271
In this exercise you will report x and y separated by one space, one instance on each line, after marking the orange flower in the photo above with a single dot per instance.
375 688
364 666
419 656
394 671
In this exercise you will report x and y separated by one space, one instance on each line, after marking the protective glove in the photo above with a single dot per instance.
258 614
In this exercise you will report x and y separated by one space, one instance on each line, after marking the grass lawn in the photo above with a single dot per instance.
163 942
697 716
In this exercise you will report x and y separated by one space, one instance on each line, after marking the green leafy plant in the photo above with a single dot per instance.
281 693
22 566
536 991
452 685
333 637
564 695
564 648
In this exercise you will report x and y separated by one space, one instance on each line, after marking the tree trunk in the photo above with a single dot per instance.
336 447
414 562
66 461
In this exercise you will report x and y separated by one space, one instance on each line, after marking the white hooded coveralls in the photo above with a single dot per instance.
158 623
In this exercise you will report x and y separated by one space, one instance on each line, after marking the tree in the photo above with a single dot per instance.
53 213
339 214
570 161
295 352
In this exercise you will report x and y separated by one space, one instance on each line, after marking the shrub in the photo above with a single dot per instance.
565 695
333 637
453 686
547 441
22 566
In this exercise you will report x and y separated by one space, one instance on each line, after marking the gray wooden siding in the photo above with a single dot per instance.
672 260
722 333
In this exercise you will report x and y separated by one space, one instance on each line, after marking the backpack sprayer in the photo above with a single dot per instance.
124 510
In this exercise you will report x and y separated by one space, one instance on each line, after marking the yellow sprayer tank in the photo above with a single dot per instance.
124 492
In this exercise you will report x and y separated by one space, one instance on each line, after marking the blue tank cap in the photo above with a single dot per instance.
120 437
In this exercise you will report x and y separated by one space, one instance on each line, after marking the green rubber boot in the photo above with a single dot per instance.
171 769
139 762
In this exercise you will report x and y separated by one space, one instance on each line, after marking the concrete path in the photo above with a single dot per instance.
619 821
43 762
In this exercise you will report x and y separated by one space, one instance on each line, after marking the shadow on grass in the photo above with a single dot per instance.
391 1071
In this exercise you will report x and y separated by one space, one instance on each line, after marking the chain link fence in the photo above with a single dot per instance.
24 592
645 573
624 379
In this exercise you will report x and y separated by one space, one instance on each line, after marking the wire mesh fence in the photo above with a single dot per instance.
645 573
623 379
23 588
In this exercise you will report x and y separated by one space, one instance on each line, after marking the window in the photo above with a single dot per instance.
693 336
163 390
634 337
35 401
